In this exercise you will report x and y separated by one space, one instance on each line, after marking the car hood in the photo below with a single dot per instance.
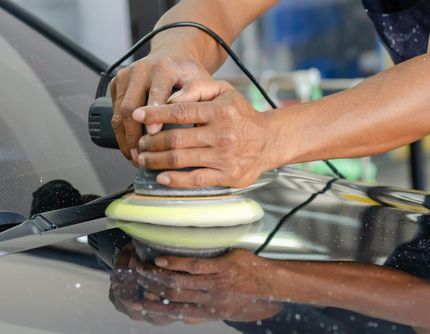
50 293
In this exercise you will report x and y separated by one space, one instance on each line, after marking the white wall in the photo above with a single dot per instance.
105 26
100 26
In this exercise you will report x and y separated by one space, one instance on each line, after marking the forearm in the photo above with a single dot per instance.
227 18
384 112
375 291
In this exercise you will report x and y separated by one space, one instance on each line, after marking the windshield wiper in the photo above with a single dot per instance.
55 226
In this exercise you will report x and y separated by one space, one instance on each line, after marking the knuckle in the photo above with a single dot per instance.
157 91
174 140
227 139
116 122
143 160
164 63
225 85
127 108
123 74
200 180
176 159
180 113
226 112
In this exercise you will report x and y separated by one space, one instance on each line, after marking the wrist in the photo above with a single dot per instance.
191 43
295 281
283 142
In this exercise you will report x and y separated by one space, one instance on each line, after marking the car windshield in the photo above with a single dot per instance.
46 95
328 256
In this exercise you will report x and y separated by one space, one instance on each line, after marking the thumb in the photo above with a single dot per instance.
199 91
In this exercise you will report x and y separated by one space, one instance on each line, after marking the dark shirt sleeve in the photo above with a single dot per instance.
402 25
414 257
389 6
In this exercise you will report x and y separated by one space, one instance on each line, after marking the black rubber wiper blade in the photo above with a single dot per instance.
55 226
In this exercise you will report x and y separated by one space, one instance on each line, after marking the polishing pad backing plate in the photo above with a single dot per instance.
186 211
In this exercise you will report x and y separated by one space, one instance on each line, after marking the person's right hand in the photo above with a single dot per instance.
149 81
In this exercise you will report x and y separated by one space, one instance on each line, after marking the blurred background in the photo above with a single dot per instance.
300 51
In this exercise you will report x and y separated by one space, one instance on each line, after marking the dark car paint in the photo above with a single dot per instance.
346 221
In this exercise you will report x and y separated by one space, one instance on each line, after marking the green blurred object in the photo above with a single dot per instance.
352 169
256 98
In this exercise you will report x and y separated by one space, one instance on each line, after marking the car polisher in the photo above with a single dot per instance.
157 204
151 240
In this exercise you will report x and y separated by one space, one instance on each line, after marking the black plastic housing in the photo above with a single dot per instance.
100 125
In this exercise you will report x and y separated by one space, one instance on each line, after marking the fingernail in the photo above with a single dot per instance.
161 262
175 95
163 179
134 154
139 115
153 129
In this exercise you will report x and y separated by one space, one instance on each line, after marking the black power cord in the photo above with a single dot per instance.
107 76
292 213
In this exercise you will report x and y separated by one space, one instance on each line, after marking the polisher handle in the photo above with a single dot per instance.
99 123
100 126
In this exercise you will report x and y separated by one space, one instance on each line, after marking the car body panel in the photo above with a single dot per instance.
62 292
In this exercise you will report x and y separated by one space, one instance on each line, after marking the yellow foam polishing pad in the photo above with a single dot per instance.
188 237
186 211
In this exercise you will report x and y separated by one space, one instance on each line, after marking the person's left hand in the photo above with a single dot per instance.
235 287
231 144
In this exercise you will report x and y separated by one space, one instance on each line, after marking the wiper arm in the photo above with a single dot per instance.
54 226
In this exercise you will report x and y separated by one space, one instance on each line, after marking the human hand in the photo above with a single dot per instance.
126 294
231 145
234 287
149 81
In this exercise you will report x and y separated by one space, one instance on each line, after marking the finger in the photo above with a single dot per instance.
161 89
181 113
174 139
176 159
174 295
175 280
190 265
124 256
150 296
134 98
180 310
199 90
118 87
198 178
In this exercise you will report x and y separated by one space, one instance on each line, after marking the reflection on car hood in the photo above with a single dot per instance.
345 221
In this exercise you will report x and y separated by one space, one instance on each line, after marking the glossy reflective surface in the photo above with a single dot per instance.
342 257
45 97
345 263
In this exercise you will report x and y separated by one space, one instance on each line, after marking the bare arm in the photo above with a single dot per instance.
222 16
376 291
384 112
177 55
